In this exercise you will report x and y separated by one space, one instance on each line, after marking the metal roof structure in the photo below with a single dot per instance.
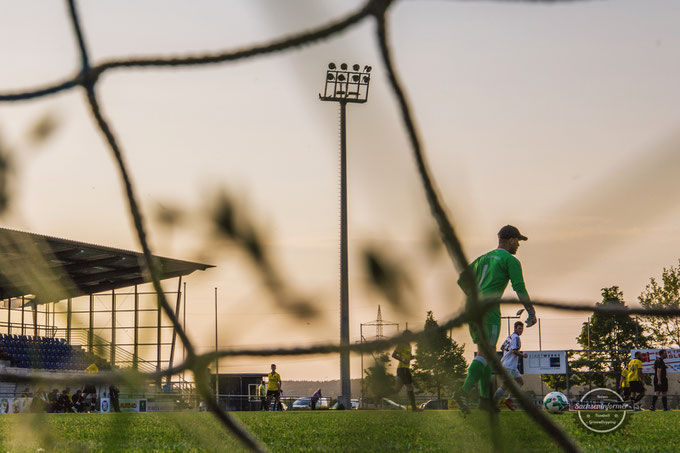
54 269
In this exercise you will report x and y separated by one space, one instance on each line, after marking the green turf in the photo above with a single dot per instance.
445 431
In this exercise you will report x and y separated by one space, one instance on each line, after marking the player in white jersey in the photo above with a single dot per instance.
511 354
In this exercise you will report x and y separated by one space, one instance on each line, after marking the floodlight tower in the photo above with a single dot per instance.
345 86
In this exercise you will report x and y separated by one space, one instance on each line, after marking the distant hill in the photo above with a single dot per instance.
328 388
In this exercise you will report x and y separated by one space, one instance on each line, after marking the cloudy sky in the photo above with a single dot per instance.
562 119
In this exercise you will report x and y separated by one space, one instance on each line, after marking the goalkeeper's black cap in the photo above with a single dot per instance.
509 232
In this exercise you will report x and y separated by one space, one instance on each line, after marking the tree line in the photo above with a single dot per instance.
606 340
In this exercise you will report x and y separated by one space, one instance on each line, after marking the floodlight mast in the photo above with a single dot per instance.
344 85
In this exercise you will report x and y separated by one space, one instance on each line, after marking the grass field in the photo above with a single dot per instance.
323 431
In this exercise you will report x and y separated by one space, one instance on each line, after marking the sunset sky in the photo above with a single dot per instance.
561 119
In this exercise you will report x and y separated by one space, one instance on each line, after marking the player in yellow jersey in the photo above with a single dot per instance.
625 384
273 389
404 355
637 385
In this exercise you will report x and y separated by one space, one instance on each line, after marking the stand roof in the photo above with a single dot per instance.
55 269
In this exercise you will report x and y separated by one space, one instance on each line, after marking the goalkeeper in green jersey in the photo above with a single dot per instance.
492 272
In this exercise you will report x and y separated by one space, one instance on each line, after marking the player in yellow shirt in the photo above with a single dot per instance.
404 355
273 389
625 384
637 385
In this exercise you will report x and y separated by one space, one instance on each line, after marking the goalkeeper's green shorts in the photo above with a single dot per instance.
492 330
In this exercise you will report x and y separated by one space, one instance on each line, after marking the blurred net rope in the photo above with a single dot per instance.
87 79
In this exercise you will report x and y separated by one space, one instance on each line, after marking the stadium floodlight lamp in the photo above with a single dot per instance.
346 85
519 313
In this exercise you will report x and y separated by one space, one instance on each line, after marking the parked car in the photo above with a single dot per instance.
435 404
304 403
386 404
389 404
353 402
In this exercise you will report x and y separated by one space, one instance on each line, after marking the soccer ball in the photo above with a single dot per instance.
555 402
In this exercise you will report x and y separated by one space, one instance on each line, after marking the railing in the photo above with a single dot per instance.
102 349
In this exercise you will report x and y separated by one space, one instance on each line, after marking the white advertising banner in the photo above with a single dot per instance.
104 405
15 405
160 406
129 405
650 355
545 362
6 405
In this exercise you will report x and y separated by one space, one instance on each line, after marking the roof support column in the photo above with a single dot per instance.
135 352
174 329
9 316
113 327
35 317
90 333
184 325
158 338
23 302
69 314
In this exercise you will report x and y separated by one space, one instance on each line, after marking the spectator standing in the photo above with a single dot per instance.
90 389
315 398
262 393
113 394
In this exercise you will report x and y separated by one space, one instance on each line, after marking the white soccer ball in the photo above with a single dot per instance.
555 402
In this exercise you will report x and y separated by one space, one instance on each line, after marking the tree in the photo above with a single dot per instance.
378 383
664 331
606 342
439 365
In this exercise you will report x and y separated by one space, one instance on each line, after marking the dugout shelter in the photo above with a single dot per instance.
238 391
